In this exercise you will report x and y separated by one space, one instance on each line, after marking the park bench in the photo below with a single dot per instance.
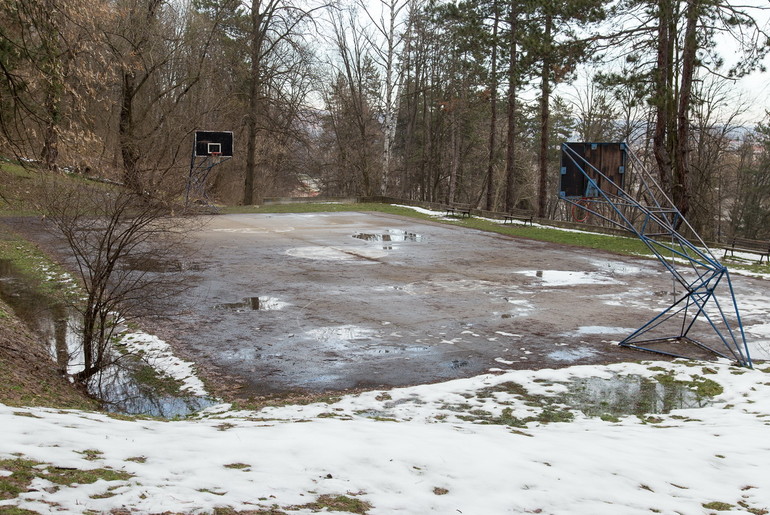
760 247
456 209
520 214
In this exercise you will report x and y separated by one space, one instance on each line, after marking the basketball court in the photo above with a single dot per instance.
319 302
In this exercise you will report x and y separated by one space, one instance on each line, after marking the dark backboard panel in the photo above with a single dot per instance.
207 142
608 158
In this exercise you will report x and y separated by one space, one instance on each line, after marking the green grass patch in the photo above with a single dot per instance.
718 506
63 476
702 386
339 503
16 171
15 510
26 261
237 466
159 383
23 471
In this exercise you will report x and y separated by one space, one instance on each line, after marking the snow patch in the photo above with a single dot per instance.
158 355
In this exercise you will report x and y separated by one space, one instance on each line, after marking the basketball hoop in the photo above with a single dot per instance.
216 157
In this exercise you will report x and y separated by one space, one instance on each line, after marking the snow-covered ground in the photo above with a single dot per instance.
577 440
485 445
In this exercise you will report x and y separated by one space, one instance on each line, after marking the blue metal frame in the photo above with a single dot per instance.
655 220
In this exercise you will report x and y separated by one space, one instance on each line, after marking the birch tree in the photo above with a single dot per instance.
390 24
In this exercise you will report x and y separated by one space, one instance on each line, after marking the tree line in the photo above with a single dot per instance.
457 101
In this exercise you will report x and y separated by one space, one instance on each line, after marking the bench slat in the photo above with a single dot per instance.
760 247
463 209
520 214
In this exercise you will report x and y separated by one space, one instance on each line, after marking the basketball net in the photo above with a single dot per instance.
216 157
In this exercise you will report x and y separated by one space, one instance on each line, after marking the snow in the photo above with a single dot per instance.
423 449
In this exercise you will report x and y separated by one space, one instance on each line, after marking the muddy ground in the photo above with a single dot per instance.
335 301
358 300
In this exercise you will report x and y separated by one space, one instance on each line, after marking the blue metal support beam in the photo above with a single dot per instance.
652 217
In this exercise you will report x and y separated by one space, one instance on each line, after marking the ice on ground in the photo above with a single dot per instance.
362 255
599 329
554 278
571 355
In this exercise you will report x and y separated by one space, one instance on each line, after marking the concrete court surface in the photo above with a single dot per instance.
334 301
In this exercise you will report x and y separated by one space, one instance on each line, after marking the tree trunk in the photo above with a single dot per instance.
128 149
255 48
510 161
681 187
493 115
53 66
663 85
50 151
454 164
389 132
545 94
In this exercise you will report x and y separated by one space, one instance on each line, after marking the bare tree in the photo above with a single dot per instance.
47 51
274 35
351 105
390 21
117 239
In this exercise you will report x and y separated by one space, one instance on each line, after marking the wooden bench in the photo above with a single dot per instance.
752 246
456 209
520 214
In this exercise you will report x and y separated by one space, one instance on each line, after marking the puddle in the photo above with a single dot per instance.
152 264
121 394
340 337
363 256
393 235
569 278
58 326
629 395
570 355
594 330
253 304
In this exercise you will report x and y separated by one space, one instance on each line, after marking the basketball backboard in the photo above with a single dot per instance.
209 143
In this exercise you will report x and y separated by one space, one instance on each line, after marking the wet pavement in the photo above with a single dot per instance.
320 302
334 301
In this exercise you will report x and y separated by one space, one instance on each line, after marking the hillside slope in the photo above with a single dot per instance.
28 376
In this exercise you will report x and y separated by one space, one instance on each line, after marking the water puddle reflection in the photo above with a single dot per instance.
555 278
117 386
392 236
253 304
630 395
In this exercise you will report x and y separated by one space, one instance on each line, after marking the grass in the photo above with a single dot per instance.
159 383
704 388
718 506
24 471
33 265
339 503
